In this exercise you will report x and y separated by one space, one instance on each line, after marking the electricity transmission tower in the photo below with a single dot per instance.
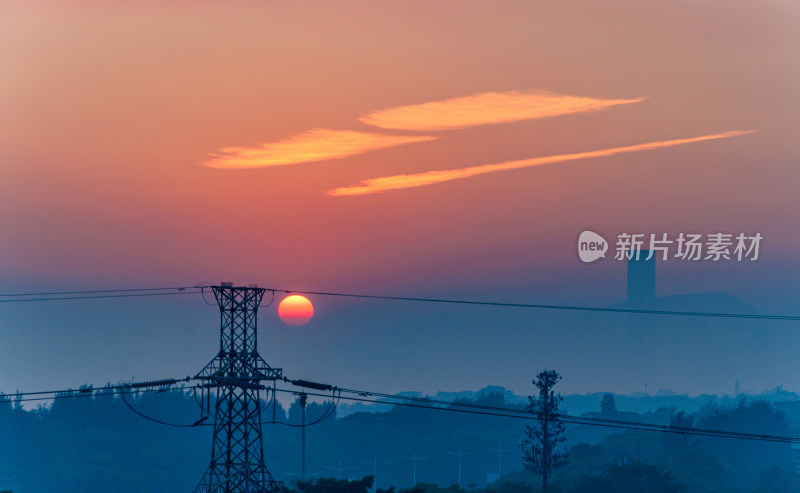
237 453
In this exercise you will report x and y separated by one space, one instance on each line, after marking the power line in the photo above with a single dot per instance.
330 410
428 404
146 292
163 382
548 307
11 398
422 403
118 294
115 390
99 291
519 414
199 422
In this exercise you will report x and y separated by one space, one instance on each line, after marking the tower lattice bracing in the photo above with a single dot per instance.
236 376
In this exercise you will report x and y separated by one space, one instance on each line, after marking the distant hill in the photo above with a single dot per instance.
91 442
638 402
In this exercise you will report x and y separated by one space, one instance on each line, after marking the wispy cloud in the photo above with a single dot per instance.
314 145
486 108
376 185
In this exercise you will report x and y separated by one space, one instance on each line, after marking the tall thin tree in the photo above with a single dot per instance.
539 449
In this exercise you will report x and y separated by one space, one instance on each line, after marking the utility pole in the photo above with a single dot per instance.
500 450
414 461
460 455
339 469
235 374
303 400
374 465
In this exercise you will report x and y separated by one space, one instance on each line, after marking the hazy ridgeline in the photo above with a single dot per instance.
86 444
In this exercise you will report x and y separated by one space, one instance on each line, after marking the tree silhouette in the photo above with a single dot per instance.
329 485
539 452
679 420
630 478
609 405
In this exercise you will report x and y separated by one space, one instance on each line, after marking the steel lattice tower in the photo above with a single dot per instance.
237 453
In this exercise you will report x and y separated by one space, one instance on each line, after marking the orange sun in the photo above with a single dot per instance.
295 310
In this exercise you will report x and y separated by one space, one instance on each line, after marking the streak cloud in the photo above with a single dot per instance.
313 145
486 108
396 182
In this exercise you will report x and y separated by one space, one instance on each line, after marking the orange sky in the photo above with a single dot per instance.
109 113
119 121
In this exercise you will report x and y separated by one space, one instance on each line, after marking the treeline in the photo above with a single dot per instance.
85 444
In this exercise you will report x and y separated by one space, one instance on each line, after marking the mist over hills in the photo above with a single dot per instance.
638 402
85 444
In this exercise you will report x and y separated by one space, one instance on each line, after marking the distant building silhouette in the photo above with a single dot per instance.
642 295
642 278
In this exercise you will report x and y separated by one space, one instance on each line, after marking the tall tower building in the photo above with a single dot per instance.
642 278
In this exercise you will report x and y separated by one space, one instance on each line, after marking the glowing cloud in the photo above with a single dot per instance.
314 145
486 108
375 185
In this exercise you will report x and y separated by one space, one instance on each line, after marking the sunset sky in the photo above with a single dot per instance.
439 149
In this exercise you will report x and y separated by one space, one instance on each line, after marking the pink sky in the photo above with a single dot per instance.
108 113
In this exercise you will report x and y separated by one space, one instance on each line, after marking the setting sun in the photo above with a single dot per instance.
295 310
